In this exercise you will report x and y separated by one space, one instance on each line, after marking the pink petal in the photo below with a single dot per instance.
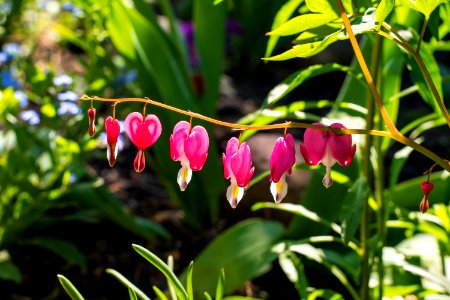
282 158
232 148
177 139
241 165
315 142
341 146
143 133
196 148
112 128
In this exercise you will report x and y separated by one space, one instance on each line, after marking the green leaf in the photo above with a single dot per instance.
8 270
220 284
70 289
328 7
158 263
383 10
352 206
160 294
209 23
419 79
306 50
324 294
172 292
132 294
320 257
297 78
398 161
189 287
63 248
426 7
207 296
98 197
243 251
127 284
299 210
283 14
294 270
302 23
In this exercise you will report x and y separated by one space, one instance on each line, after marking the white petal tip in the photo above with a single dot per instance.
184 177
279 190
234 194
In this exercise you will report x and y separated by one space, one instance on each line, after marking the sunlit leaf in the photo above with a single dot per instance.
283 14
70 289
383 10
302 23
128 284
158 263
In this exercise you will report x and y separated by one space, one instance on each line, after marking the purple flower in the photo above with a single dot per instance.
68 108
62 80
67 96
22 97
30 116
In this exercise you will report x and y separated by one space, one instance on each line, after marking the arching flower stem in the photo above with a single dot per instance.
339 131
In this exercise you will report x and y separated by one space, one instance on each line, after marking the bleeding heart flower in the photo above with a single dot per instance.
112 128
237 164
327 148
427 187
91 116
143 133
282 160
190 148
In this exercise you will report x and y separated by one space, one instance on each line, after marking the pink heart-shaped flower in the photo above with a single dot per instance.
143 133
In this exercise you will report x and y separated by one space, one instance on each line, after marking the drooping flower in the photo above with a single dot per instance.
112 128
91 117
427 187
143 133
237 164
282 160
326 147
190 148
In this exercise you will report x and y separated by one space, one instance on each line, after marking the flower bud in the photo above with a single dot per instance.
91 116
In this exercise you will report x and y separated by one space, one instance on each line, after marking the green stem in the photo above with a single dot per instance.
422 32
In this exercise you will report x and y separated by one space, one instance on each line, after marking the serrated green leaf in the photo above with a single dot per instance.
127 284
243 251
352 206
283 14
158 263
70 289
302 23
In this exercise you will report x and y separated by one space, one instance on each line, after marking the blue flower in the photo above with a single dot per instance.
68 108
67 96
22 97
30 116
62 80
4 57
12 49
8 79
